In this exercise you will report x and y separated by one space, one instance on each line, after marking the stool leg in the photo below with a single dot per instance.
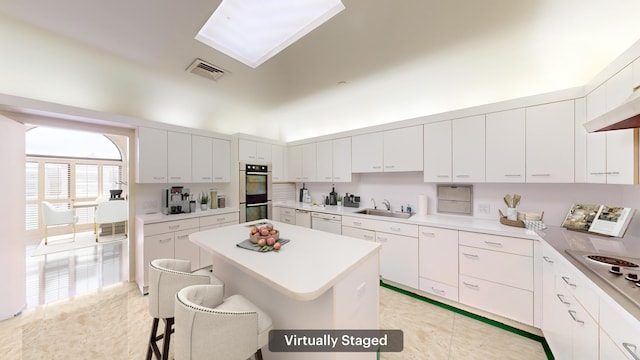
168 329
259 354
152 338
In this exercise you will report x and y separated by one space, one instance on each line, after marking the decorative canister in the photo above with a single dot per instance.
214 196
221 201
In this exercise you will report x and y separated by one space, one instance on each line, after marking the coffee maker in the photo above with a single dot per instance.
175 200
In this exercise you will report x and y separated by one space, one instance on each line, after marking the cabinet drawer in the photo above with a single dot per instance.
358 222
396 228
440 289
219 219
288 219
508 269
515 304
575 284
287 212
498 243
357 233
171 226
621 327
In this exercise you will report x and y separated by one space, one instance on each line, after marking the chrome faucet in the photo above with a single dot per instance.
374 203
386 203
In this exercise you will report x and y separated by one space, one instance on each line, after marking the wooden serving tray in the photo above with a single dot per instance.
515 223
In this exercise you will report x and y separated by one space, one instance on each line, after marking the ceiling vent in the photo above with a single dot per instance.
204 69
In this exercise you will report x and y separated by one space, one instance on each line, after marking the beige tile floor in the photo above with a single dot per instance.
113 323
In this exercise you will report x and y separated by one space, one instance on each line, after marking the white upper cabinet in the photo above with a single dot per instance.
550 143
152 156
341 160
294 155
179 157
505 134
437 152
403 149
469 149
277 163
367 153
309 171
253 151
389 151
221 160
201 159
324 160
610 155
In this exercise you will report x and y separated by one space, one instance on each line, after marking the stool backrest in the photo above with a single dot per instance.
166 278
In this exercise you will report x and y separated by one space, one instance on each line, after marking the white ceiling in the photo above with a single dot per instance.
399 59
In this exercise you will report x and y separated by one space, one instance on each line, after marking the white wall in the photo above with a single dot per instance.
554 199
12 246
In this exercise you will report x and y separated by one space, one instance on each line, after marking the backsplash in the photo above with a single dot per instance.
402 189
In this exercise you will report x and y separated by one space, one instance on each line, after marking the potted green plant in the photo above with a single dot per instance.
204 201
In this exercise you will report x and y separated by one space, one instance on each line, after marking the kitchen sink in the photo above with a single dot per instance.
387 213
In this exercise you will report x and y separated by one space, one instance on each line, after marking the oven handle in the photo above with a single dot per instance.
259 204
256 173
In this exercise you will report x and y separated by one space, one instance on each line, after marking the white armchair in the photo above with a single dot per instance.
210 327
53 217
111 212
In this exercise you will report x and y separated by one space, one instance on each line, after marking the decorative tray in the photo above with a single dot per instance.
529 224
247 244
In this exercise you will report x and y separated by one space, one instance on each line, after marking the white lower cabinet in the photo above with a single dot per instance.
438 261
484 282
399 258
622 329
288 216
170 240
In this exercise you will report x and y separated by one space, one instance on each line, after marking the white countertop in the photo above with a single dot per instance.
160 217
456 222
308 265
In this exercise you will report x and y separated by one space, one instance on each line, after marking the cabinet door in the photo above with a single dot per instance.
469 149
437 152
367 153
309 171
399 258
221 160
152 156
185 249
341 160
277 163
295 163
438 253
403 149
324 161
596 142
157 247
247 150
621 156
263 152
550 143
303 218
201 159
179 157
505 146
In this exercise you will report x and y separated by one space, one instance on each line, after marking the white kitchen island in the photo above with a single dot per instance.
316 281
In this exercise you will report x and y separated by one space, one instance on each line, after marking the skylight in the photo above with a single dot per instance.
252 31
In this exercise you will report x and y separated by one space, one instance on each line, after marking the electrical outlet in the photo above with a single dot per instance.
484 208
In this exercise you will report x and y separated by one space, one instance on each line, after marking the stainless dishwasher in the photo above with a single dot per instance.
326 222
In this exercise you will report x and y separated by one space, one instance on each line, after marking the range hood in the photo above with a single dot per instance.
625 116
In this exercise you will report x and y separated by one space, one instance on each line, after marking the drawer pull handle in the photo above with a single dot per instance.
174 227
547 259
428 234
463 176
357 223
380 238
562 300
475 286
541 175
493 243
164 240
473 256
394 229
220 219
573 316
631 348
512 175
568 282
443 176
440 291
183 236
367 237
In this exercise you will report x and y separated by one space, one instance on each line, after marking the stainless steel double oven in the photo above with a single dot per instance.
255 192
